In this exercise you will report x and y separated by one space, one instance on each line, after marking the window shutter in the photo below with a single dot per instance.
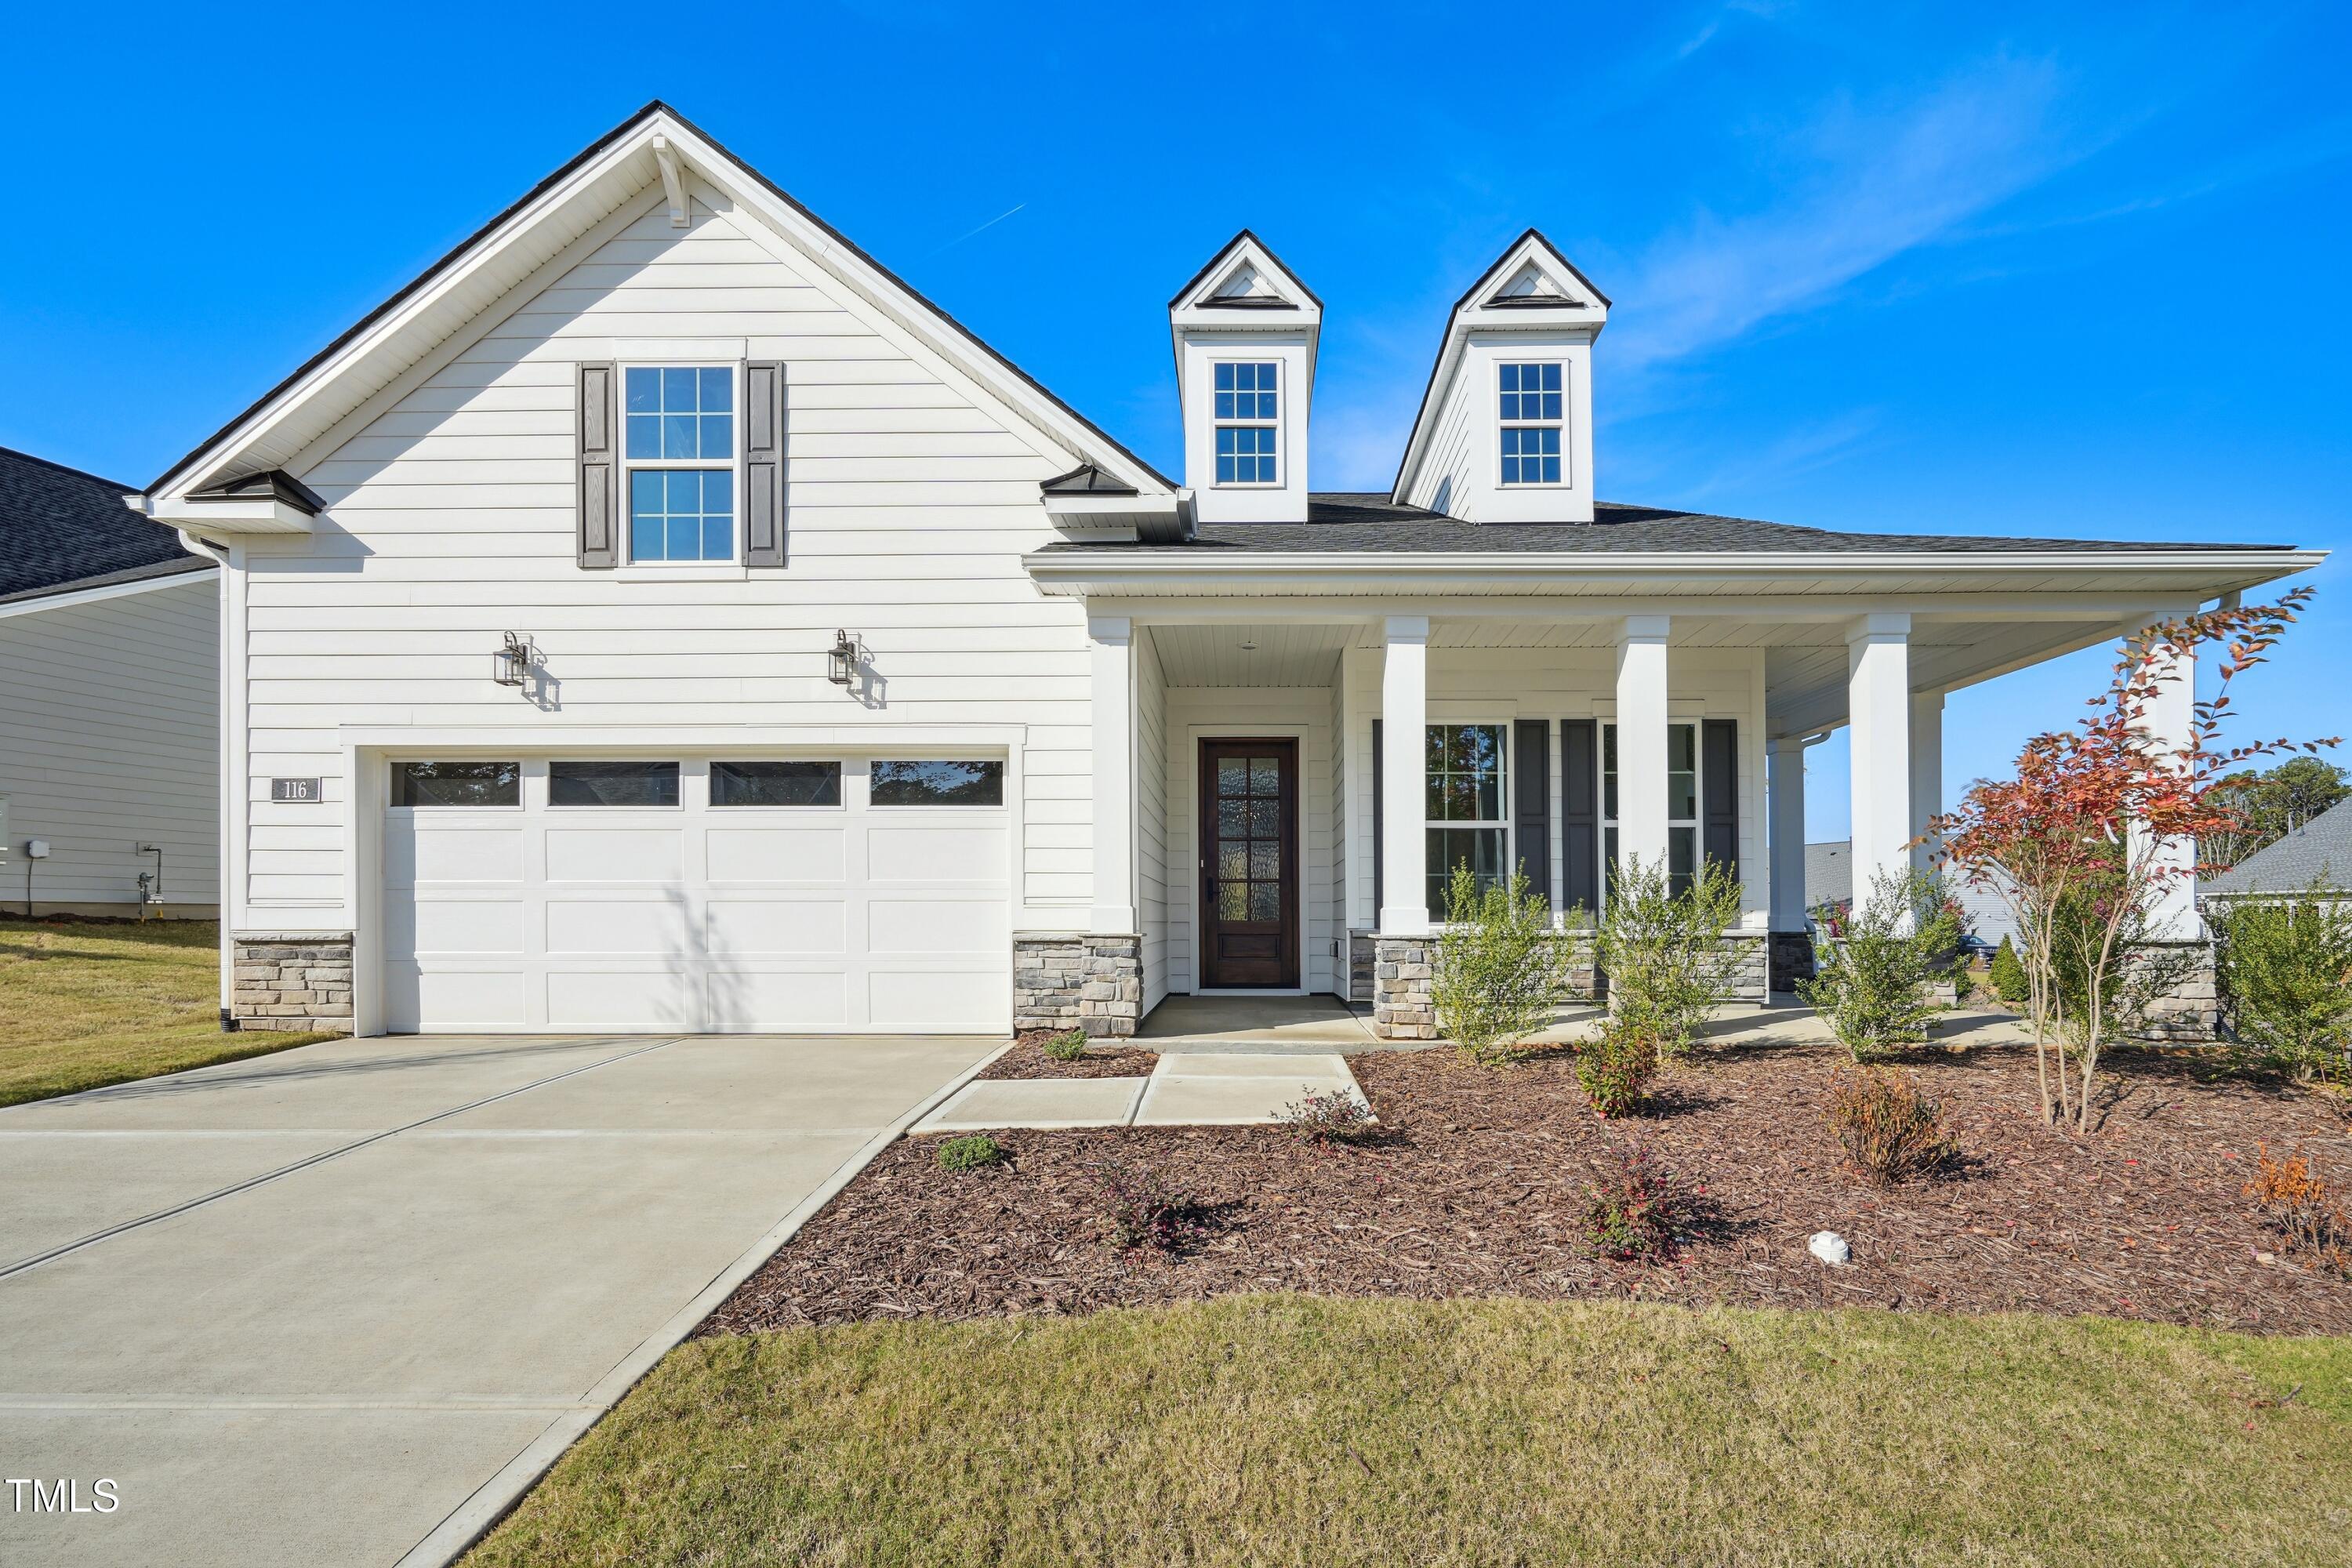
1379 823
1720 765
1580 813
764 463
1531 790
596 526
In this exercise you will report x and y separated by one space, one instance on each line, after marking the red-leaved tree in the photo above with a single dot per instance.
2082 883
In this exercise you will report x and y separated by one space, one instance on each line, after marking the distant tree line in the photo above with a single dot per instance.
2270 804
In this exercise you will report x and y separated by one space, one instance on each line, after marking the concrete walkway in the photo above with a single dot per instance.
1206 1089
338 1305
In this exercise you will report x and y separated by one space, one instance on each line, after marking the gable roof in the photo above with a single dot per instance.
440 302
61 529
1245 241
2321 849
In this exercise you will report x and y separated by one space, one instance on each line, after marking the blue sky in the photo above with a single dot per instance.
2024 269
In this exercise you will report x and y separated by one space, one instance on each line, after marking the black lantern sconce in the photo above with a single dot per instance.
510 665
841 664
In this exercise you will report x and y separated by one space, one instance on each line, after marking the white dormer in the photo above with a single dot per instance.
1505 432
1245 330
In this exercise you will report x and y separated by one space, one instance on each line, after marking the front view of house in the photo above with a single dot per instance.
659 617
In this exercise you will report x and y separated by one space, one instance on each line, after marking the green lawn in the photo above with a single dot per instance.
1270 1430
93 1003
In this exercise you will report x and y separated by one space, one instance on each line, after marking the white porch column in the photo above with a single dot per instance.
1927 772
1404 719
1785 785
1878 707
1642 741
2169 721
1112 648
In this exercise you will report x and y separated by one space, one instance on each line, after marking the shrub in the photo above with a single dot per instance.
1142 1207
2008 975
1869 985
1889 1129
1664 954
1614 1067
1067 1046
2285 969
1497 973
970 1153
1636 1207
1329 1117
2300 1208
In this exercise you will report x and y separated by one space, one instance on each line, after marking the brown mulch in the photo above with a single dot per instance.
1475 1188
1028 1059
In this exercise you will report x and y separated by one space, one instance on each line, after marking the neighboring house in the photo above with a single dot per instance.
110 753
2318 854
1829 880
860 684
1829 874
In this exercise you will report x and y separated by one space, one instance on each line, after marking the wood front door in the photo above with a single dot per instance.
1249 864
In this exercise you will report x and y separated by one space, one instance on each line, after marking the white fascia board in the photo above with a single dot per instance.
68 598
221 514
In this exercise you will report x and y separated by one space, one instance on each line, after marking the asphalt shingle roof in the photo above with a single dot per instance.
60 527
1346 520
2319 849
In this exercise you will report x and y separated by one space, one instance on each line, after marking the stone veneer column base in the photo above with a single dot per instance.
1404 1007
291 980
2191 1013
1093 982
1792 958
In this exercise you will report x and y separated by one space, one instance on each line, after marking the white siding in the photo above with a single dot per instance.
109 738
1198 713
1451 476
1152 812
910 500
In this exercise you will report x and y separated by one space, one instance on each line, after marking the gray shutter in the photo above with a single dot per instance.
1531 791
1379 836
764 463
1580 813
1720 771
596 523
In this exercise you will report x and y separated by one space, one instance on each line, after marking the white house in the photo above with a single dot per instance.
108 718
660 616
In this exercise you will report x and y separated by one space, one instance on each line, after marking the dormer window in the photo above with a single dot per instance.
1249 420
678 452
1531 422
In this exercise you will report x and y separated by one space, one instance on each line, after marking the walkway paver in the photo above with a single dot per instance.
1043 1103
1204 1089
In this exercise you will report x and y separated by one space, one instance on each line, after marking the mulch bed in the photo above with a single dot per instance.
1476 1188
1028 1059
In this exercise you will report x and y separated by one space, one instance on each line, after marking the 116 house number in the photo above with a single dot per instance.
299 792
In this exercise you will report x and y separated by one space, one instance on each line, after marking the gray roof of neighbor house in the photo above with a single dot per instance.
61 529
2320 850
1828 873
1351 521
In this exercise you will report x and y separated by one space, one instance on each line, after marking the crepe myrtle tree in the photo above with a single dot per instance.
2082 885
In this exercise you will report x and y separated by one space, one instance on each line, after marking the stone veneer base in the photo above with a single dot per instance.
1091 982
1404 977
291 980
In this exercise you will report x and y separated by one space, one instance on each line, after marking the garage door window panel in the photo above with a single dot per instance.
611 784
938 782
790 783
468 784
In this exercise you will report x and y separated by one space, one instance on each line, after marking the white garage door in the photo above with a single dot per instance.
697 893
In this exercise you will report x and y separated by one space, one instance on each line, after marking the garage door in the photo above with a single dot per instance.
696 893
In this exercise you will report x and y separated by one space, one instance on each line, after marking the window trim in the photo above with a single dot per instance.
1507 822
1565 480
628 466
1216 425
1695 824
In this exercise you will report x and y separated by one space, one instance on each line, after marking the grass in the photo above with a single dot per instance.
1286 1429
89 1003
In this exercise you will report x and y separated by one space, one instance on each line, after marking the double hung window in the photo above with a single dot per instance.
1682 802
1531 410
1249 422
1464 810
678 454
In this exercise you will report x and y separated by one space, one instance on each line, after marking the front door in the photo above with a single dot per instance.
1249 864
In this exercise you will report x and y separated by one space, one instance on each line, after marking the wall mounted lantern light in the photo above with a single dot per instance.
841 664
510 665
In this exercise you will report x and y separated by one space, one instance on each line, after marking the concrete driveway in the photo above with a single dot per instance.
338 1305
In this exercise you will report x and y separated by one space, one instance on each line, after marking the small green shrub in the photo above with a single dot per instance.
1497 976
2008 977
2285 969
1614 1067
1664 954
1636 1207
1889 1129
971 1153
1067 1047
1870 983
1332 1116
